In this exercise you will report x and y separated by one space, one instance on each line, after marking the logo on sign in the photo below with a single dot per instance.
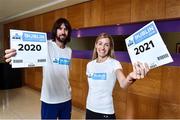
130 42
16 36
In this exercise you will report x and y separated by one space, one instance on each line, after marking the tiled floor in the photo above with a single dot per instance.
24 103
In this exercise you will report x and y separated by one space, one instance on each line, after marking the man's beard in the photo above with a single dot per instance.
61 39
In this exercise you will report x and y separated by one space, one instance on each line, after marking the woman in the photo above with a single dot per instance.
102 73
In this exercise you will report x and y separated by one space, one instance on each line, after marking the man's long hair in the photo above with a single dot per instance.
57 25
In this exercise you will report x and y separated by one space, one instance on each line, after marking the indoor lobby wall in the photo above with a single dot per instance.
155 96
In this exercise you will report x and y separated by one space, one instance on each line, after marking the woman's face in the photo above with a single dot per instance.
103 47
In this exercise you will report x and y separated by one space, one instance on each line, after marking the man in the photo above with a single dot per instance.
56 90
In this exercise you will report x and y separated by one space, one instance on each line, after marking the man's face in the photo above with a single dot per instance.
62 33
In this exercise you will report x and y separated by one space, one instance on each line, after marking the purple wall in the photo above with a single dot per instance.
124 29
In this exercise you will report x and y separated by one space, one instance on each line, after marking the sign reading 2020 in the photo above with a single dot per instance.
147 46
31 48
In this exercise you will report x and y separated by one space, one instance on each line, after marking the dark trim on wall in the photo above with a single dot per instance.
120 56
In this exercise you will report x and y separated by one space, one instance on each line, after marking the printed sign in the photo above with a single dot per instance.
147 46
31 48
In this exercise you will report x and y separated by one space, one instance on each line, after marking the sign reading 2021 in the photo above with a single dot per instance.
31 48
147 46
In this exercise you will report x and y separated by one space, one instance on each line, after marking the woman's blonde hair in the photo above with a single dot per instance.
111 50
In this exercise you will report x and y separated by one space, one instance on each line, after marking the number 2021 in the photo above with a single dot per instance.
144 47
30 47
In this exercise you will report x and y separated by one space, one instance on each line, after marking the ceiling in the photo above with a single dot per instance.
17 9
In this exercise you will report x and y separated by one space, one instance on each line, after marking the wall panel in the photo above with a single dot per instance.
170 86
169 111
119 99
30 77
38 78
172 8
27 24
116 12
84 84
149 86
38 23
60 13
97 12
141 107
6 36
7 27
142 10
75 15
75 81
120 108
48 21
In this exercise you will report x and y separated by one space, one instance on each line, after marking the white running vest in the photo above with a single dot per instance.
101 80
56 87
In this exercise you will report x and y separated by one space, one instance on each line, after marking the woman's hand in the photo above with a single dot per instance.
139 71
8 54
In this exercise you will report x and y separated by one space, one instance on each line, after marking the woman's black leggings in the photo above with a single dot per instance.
94 115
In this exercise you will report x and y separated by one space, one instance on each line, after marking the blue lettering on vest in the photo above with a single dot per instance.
99 76
61 61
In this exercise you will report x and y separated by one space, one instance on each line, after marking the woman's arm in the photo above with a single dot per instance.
139 72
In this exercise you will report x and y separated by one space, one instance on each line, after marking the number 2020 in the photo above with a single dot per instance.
144 47
30 47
